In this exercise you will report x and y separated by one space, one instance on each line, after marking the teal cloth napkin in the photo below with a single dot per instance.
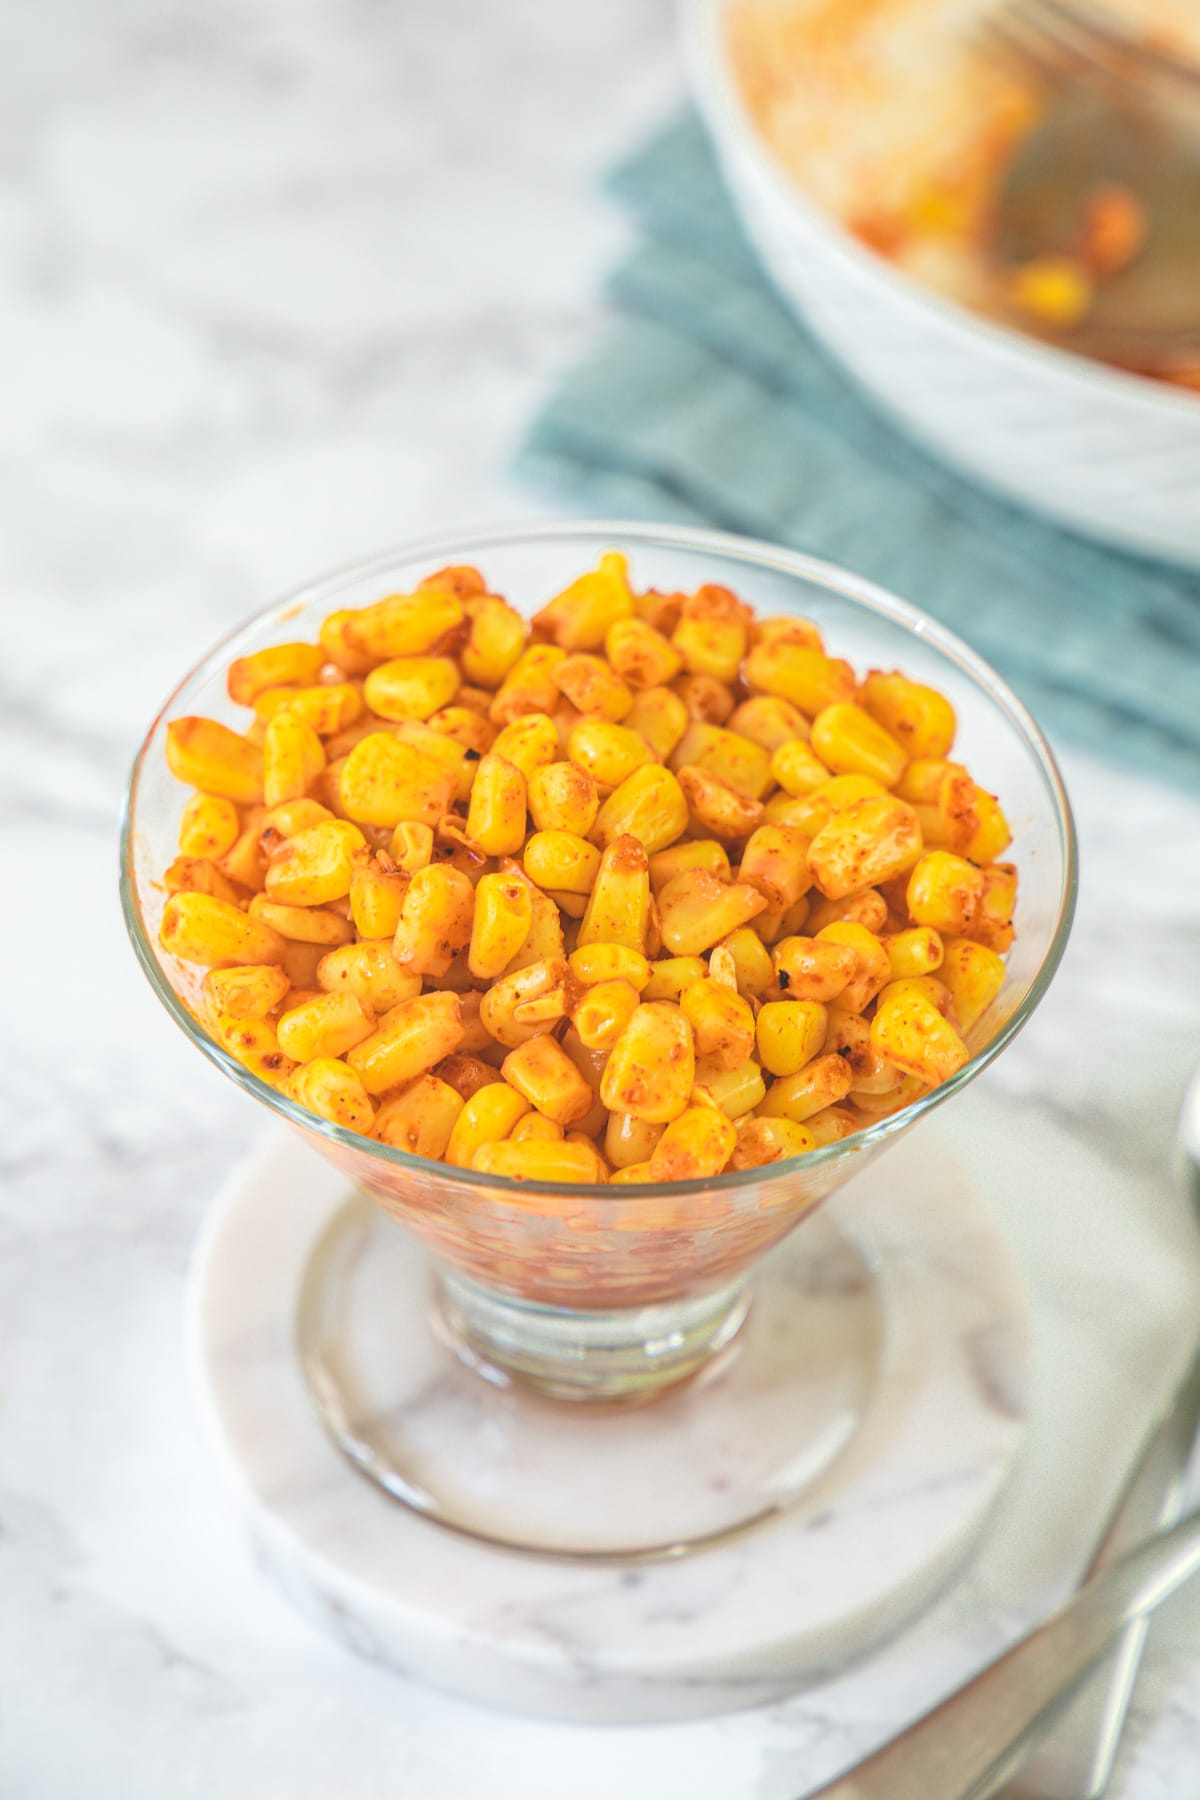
708 403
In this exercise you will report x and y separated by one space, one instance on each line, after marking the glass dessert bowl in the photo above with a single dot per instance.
545 1293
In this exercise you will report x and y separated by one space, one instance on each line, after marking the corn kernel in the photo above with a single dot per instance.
737 761
385 780
466 1074
753 968
542 1071
496 817
592 963
642 656
848 1035
368 971
991 836
559 860
619 907
334 1092
529 685
914 952
329 1025
209 826
214 759
831 1125
495 640
974 975
435 920
325 710
707 700
694 853
823 1082
789 1034
698 910
608 753
402 625
593 687
649 806
250 992
291 816
805 676
651 1069
775 861
769 722
280 665
633 1173
1056 291
502 918
842 791
411 687
414 1036
943 892
712 647
529 743
602 1012
697 1143
810 968
316 866
293 756
659 716
872 968
253 1043
486 1118
870 841
918 717
574 1165
527 1001
721 1021
868 908
563 798
733 1091
534 1126
784 629
629 1140
420 1118
196 875
763 1141
797 769
579 618
850 742
909 1031
717 808
202 929
992 924
303 924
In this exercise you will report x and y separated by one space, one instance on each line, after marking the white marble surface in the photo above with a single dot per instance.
279 283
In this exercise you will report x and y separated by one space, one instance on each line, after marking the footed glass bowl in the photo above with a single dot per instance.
619 1294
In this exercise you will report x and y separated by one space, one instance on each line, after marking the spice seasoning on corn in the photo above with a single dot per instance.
645 891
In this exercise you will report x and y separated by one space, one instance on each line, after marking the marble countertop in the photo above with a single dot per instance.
281 283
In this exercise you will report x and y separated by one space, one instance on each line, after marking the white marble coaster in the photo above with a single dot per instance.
871 1540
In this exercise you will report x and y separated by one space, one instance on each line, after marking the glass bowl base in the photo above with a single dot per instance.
782 1369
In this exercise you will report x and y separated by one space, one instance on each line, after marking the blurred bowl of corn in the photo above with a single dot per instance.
828 123
527 1259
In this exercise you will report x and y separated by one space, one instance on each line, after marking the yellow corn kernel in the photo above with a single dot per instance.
466 1074
486 1118
775 861
411 687
534 1126
300 963
209 826
649 806
411 847
543 1072
325 710
797 769
1056 291
368 971
196 875
914 952
326 1026
250 992
871 966
823 1082
729 757
503 916
769 722
943 892
593 687
469 730
910 1032
721 1021
334 1092
377 890
763 1141
991 836
495 641
337 647
992 924
602 1012
842 791
214 759
316 866
712 647
642 656
608 753
435 920
733 1091
671 975
799 673
831 1125
919 718
952 817
246 859
784 629
420 1118
618 909
281 665
850 742
629 1140
291 816
693 853
723 968
865 844
563 798
753 969
923 778
529 685
253 1043
526 1002
867 908
496 816
579 618
402 625
804 812
545 938
848 1035
592 963
199 928
697 910
411 1039
698 1143
707 700
717 808
651 1069
385 780
293 757
302 924
576 1165
974 976
789 1034
559 860
660 717
528 743
631 1174
810 968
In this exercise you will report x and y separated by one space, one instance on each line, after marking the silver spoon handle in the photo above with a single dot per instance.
968 1746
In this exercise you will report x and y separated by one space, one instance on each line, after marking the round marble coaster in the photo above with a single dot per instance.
870 1540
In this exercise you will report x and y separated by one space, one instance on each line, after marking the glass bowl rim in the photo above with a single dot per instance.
456 546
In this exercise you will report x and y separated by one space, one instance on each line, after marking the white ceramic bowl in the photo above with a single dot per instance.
1110 454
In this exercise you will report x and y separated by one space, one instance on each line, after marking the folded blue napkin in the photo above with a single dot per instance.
709 403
